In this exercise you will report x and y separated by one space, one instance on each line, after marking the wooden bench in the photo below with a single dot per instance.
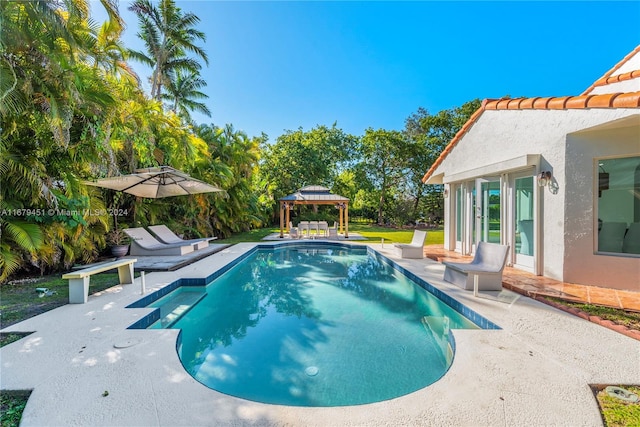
483 273
79 280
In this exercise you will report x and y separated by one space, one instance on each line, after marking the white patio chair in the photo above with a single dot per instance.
484 273
293 231
415 249
303 227
333 231
313 225
323 227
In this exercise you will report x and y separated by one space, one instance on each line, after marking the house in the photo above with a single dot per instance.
557 179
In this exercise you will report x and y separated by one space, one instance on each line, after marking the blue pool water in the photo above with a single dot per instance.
312 326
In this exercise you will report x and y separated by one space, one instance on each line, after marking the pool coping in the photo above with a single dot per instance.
535 370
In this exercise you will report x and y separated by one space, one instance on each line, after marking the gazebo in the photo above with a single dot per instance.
314 195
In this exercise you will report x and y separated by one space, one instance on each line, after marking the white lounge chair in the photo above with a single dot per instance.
631 244
143 243
165 235
486 267
415 249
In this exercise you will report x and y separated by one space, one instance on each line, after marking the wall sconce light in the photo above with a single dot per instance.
544 178
445 193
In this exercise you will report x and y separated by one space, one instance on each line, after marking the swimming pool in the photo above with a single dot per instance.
312 325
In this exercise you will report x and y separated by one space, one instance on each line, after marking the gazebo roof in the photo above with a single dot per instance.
314 194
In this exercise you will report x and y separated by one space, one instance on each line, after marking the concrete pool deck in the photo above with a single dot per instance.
536 370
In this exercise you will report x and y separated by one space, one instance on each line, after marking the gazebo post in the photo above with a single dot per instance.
286 223
340 228
281 219
346 220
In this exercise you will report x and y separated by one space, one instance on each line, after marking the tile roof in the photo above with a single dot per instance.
609 100
608 79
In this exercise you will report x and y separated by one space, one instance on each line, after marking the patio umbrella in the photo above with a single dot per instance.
162 181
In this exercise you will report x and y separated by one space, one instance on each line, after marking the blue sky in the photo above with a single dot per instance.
277 66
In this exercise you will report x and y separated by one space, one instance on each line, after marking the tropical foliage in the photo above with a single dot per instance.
72 109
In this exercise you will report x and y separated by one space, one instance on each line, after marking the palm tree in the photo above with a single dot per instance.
50 98
168 35
184 91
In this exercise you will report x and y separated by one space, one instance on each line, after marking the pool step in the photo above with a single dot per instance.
177 304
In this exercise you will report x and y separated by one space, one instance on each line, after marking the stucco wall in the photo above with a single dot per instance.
503 135
581 263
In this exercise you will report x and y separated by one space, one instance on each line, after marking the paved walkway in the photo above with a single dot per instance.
531 285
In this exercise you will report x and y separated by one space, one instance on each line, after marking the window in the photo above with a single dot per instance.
618 206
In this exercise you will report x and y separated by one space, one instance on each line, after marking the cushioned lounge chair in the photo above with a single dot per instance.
415 249
143 243
488 264
165 235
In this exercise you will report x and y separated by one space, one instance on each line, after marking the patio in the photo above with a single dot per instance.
86 368
535 286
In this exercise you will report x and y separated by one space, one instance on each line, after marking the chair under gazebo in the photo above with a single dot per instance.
314 195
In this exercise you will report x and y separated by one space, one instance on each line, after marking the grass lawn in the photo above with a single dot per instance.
19 299
249 236
373 233
11 406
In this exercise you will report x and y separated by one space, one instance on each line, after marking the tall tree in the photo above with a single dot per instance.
429 135
169 35
384 156
300 158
